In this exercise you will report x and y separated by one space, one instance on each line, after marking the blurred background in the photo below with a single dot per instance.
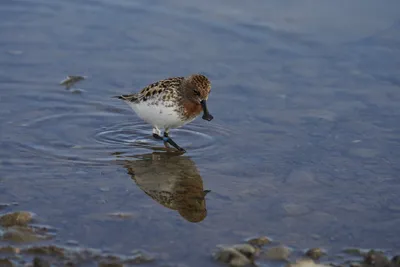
303 148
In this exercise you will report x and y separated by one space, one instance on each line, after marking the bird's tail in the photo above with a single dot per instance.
130 98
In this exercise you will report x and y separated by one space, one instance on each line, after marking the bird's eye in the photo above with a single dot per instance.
196 92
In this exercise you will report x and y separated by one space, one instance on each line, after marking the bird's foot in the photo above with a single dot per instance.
167 140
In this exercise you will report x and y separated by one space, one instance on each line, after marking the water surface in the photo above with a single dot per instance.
304 145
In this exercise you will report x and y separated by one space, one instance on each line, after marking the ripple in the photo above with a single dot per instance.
97 137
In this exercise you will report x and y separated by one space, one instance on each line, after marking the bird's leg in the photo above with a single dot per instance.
166 139
166 135
157 134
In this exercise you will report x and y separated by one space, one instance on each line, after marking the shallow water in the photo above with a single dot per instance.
304 145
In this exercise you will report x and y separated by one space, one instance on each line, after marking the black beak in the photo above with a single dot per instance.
206 115
206 192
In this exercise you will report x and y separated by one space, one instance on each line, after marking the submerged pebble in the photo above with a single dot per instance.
315 253
352 251
20 236
306 263
375 259
9 250
248 250
6 263
21 218
259 241
45 250
139 258
236 255
16 229
110 264
38 262
396 260
277 253
232 257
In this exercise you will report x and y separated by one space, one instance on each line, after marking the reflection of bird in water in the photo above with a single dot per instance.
171 180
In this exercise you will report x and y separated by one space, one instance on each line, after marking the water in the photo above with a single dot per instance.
304 145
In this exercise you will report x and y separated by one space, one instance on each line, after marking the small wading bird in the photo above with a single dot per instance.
171 103
71 80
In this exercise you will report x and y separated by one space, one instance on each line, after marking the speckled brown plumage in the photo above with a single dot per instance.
175 89
171 103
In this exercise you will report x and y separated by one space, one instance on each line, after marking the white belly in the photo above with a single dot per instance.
160 116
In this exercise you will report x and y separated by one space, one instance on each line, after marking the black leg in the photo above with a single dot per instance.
165 143
156 136
168 140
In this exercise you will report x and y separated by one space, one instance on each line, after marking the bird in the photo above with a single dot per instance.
71 80
171 103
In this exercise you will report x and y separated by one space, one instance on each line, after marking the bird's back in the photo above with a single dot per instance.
158 103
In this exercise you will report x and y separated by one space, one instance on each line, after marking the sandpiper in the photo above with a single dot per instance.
171 103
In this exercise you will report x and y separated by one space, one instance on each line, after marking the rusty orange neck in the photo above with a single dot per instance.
191 109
